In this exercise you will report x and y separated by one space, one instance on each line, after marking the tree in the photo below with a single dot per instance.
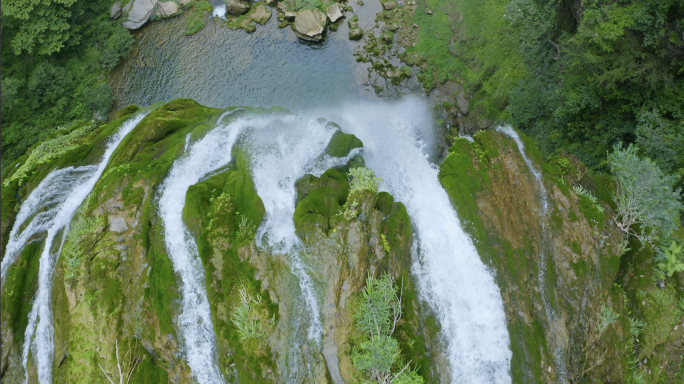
42 25
378 313
645 196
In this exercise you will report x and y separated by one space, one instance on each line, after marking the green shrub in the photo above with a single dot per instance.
379 355
645 197
673 262
363 179
119 46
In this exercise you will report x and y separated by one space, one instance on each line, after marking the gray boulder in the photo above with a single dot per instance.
310 24
290 15
115 12
334 12
140 12
167 9
236 7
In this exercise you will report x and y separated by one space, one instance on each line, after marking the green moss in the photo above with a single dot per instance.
591 212
327 196
661 314
126 112
341 144
527 354
573 216
576 248
194 24
18 290
147 372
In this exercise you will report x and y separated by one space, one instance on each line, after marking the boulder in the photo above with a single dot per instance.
236 7
334 12
390 5
115 12
355 33
140 12
309 24
290 15
167 9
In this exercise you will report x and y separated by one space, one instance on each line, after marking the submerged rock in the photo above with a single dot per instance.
390 5
310 24
236 7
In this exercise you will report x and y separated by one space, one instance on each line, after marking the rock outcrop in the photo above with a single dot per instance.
310 24
236 7
334 13
139 11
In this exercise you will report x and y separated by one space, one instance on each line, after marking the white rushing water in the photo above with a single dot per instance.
206 155
41 208
398 140
55 201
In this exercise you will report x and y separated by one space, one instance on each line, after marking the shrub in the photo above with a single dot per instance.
378 313
119 46
672 263
363 179
645 197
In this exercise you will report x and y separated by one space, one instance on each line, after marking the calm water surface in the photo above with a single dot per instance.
221 67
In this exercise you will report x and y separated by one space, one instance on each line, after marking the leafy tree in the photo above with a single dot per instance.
378 313
43 25
645 197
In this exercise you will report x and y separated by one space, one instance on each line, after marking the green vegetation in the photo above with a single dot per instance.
363 179
379 356
645 197
194 24
54 67
673 260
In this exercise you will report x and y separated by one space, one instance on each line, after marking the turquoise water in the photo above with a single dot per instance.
220 67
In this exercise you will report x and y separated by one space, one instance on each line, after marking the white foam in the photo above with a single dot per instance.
219 11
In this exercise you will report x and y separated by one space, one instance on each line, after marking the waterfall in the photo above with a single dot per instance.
52 205
398 140
206 155
551 314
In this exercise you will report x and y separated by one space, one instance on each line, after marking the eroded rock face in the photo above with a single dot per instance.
310 24
115 11
140 12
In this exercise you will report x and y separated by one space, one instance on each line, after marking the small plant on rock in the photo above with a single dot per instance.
363 179
378 313
246 321
246 229
672 263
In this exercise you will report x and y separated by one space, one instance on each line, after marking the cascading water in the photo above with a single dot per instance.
451 277
541 275
41 208
57 198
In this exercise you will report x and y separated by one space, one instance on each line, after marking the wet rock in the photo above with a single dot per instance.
393 27
334 12
140 12
117 224
390 5
236 7
309 24
290 15
359 3
115 11
167 9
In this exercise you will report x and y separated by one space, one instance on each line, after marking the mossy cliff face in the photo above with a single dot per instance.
553 312
118 284
20 283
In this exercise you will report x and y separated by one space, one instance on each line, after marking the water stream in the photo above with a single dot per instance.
399 144
56 200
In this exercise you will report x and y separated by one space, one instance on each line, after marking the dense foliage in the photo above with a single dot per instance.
55 55
600 72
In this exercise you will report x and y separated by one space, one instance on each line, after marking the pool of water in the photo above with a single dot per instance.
221 67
